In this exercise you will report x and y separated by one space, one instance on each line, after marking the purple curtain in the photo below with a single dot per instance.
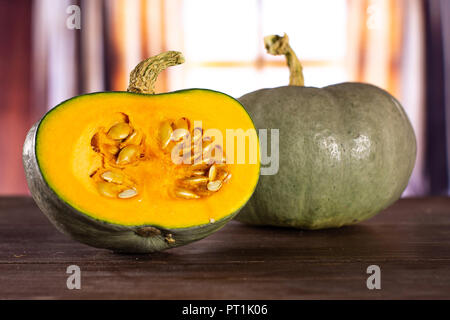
437 33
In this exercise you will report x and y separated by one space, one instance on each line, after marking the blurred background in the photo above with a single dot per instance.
402 46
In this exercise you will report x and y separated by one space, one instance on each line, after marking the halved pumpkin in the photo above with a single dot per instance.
137 172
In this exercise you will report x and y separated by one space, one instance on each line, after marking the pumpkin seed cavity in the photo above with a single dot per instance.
123 145
207 171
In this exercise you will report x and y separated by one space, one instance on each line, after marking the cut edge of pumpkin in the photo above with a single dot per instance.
79 208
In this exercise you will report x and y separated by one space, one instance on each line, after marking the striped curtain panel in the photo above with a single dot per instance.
400 45
114 37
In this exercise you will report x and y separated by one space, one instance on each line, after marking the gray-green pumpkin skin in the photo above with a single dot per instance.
346 152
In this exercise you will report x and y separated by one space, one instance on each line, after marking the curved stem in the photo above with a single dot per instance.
277 45
144 75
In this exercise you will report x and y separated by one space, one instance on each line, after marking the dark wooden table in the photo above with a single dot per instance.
410 242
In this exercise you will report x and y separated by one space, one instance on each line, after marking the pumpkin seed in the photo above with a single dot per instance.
214 185
196 156
227 178
184 150
127 154
182 123
165 133
200 165
119 131
185 194
128 193
195 180
179 134
203 192
134 138
197 134
207 150
221 174
198 173
181 129
212 172
111 176
107 189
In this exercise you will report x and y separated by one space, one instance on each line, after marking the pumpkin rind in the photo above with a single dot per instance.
346 152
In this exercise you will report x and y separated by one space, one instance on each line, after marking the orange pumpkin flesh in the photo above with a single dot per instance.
68 162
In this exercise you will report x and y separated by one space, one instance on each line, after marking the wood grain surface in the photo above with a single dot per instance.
410 242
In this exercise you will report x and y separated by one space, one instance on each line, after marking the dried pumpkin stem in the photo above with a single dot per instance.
144 75
277 45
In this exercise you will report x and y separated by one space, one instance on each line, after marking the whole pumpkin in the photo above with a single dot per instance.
346 151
